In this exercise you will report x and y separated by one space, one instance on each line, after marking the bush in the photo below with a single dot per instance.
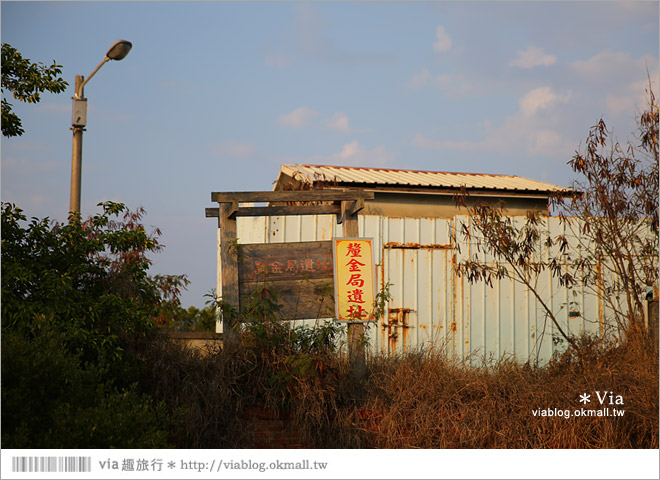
76 299
51 400
272 366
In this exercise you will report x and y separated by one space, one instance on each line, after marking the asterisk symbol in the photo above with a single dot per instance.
584 398
171 465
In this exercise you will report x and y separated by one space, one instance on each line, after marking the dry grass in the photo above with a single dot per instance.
428 402
421 400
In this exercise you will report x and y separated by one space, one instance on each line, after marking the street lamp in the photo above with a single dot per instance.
117 51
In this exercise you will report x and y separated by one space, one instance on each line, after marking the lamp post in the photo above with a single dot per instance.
117 51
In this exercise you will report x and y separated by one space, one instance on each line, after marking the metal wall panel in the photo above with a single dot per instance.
432 307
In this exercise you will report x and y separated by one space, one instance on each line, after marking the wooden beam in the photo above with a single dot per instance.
275 211
292 196
288 210
349 208
233 209
342 214
357 206
229 269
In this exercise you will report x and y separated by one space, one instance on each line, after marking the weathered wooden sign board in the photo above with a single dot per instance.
345 204
301 273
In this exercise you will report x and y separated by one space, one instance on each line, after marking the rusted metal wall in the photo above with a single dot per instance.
432 307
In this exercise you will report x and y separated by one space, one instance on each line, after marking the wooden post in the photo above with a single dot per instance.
229 263
229 210
356 340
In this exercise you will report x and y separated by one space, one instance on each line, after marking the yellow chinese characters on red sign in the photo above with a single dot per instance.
354 279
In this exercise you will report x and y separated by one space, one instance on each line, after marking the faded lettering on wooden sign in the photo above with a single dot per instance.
300 273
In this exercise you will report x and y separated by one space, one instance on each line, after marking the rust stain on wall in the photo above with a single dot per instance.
397 319
417 246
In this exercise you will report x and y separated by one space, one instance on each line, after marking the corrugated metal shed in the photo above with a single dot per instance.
381 177
431 306
416 253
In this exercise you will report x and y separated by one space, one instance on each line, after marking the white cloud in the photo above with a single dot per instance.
459 86
540 98
543 141
513 135
606 62
305 116
351 150
298 118
338 122
232 148
525 131
616 68
618 78
630 98
455 85
533 57
420 79
620 104
355 154
443 41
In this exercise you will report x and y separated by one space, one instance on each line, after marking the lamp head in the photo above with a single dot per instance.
119 50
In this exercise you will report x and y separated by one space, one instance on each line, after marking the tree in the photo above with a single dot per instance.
618 213
76 299
613 218
192 319
26 81
515 247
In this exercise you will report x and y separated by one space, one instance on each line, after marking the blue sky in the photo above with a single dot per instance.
215 96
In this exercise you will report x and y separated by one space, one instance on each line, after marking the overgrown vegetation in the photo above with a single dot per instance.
138 389
610 247
172 316
615 219
85 364
425 401
272 366
76 299
421 400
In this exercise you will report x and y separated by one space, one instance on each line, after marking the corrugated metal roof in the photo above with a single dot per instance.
415 178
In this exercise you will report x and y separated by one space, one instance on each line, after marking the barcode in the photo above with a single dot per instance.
51 464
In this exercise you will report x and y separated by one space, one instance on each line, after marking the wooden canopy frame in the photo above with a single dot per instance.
345 203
